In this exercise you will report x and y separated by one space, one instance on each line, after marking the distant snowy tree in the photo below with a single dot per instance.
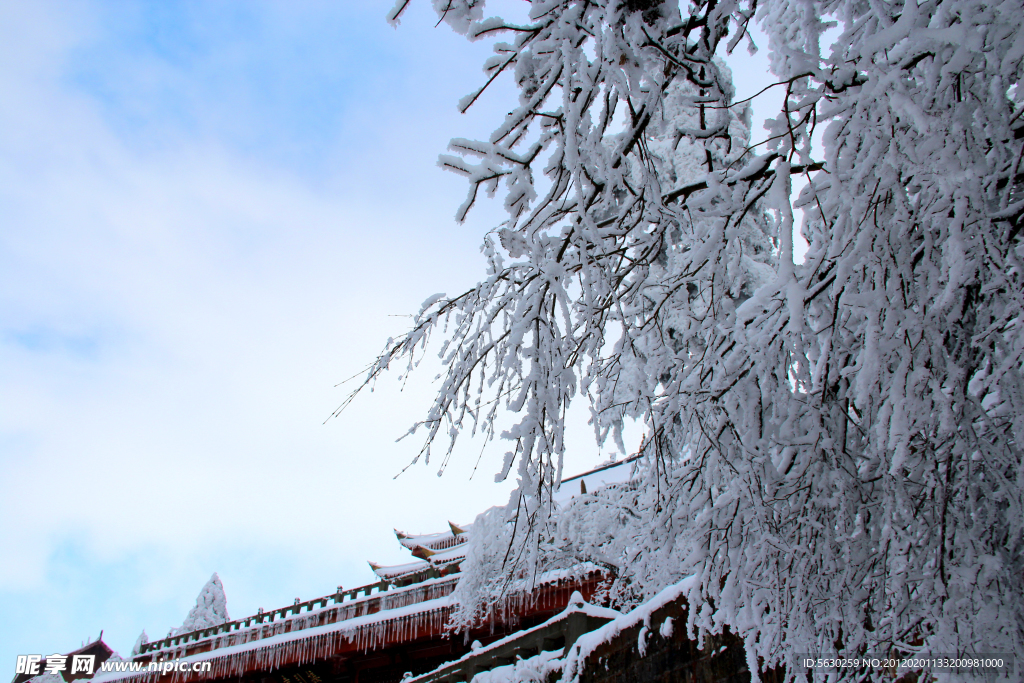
142 640
211 609
834 446
116 657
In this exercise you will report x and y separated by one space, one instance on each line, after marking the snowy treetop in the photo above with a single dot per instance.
211 609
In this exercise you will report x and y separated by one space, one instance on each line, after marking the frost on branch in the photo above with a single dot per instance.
834 445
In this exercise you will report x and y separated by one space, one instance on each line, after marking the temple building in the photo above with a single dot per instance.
395 630
381 632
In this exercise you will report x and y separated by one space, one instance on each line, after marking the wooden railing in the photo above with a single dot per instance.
261 617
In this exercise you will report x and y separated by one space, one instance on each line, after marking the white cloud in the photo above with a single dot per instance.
180 291
175 314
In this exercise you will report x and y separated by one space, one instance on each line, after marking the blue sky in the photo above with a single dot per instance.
210 214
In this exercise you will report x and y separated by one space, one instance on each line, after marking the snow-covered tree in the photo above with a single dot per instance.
211 609
834 445
140 641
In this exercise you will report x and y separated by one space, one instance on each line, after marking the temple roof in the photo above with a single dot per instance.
313 638
418 611
97 648
441 557
576 606
397 571
587 482
456 535
447 548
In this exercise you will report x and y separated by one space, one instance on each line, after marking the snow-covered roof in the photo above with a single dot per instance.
576 606
456 535
589 642
588 482
298 621
397 571
403 613
297 648
441 557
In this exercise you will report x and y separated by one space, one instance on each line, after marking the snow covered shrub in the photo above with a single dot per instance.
834 446
211 610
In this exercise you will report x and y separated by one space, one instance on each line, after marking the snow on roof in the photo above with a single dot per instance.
576 605
441 557
541 667
46 678
391 600
589 642
348 626
579 606
368 632
456 535
524 586
399 570
588 482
